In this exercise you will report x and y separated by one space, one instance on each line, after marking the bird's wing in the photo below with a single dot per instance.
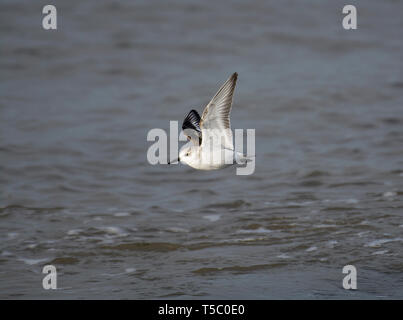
215 120
191 127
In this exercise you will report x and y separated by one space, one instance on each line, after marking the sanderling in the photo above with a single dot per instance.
211 143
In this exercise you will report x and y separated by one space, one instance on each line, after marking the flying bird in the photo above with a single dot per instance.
211 143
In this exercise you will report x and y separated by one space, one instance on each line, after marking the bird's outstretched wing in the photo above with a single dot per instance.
215 121
191 127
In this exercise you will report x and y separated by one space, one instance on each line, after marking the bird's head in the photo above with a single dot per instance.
187 155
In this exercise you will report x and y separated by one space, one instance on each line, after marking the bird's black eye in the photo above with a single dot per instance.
187 154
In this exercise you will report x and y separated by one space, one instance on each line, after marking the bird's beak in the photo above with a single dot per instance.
177 160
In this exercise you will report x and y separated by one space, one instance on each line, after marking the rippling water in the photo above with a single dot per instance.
77 190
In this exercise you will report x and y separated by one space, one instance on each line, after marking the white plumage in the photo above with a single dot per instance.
211 142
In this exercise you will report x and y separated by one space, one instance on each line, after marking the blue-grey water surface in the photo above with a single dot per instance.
77 192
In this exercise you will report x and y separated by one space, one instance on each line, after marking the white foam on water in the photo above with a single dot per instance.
240 240
177 230
258 230
348 201
389 194
74 232
313 248
340 232
362 233
379 242
380 252
212 217
121 214
299 204
130 270
283 256
249 212
332 243
115 231
31 262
